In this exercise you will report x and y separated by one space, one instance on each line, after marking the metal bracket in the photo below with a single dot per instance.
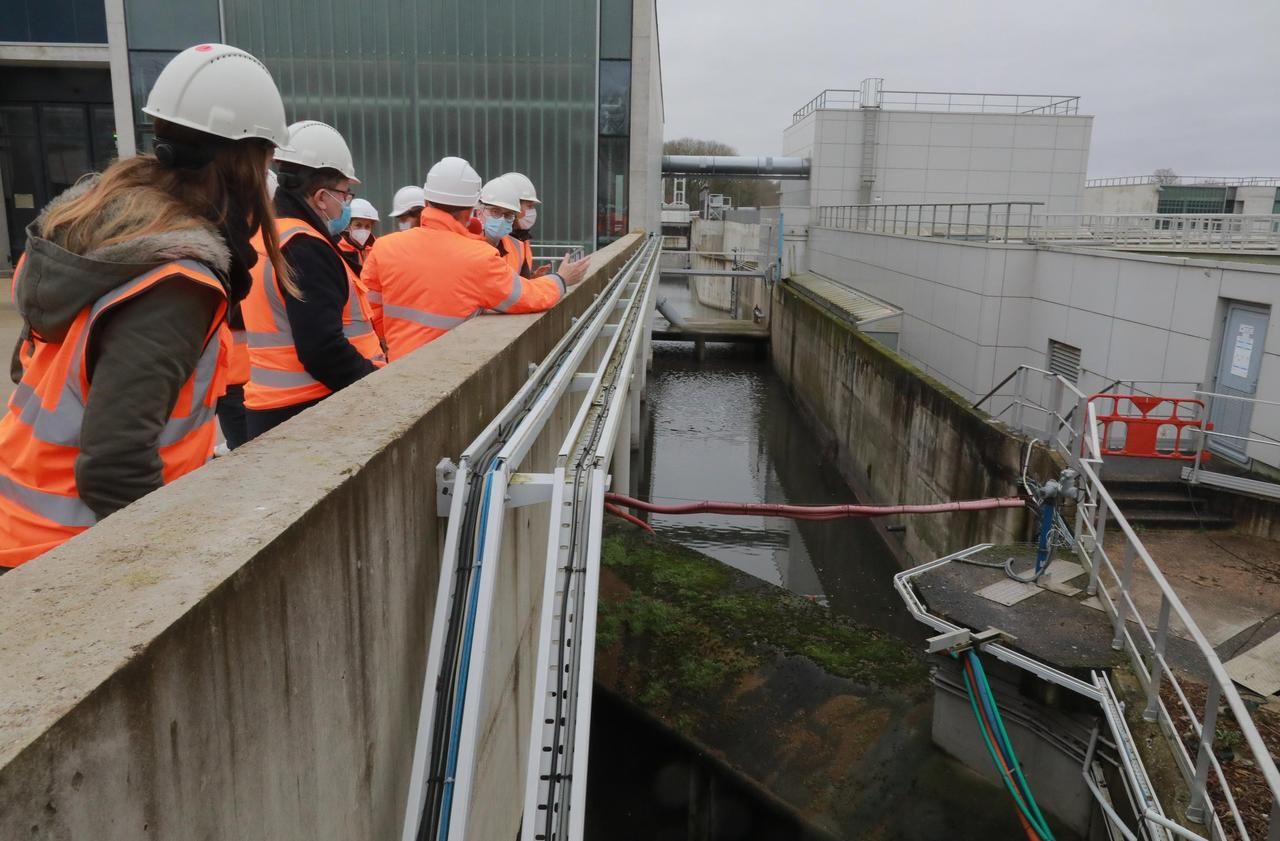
446 475
962 639
529 489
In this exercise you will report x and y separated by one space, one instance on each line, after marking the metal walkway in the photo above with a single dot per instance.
595 376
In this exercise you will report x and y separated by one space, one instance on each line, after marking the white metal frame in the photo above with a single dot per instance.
599 437
502 447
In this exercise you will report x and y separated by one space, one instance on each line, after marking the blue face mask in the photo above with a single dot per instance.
496 227
337 226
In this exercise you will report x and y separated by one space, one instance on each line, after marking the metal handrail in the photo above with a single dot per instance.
1185 181
967 221
948 101
1094 514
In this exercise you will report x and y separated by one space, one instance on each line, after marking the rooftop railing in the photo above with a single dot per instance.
1185 181
1012 221
945 101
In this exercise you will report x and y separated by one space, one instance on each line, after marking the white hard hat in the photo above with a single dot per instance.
407 199
501 192
527 193
318 146
453 183
222 91
364 209
273 181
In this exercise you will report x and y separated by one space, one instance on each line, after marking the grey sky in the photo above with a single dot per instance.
1190 85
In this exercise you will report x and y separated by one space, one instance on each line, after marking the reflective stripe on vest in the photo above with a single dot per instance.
40 506
277 377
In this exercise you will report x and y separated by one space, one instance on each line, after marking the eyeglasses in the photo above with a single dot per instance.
346 195
500 213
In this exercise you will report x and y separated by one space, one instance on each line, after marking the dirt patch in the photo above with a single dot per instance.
1247 785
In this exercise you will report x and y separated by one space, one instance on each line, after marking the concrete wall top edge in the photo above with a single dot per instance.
1197 262
74 617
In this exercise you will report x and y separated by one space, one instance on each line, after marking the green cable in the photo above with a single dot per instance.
995 757
1007 745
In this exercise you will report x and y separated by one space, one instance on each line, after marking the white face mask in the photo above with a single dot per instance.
360 235
527 221
405 224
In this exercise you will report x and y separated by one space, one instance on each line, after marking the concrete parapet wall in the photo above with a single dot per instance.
240 655
896 434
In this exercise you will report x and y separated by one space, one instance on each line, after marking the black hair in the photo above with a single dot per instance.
304 180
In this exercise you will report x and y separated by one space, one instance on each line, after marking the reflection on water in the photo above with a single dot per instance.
725 429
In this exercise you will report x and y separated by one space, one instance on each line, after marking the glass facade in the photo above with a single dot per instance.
614 121
54 21
509 85
1194 199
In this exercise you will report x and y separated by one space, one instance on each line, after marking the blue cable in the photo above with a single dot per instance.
460 691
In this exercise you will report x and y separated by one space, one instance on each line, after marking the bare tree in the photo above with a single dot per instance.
1165 176
745 192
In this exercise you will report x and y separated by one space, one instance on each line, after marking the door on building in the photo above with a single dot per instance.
44 149
1239 361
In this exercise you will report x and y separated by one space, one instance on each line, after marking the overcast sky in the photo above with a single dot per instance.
1190 85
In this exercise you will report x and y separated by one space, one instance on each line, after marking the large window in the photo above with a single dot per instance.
508 86
54 21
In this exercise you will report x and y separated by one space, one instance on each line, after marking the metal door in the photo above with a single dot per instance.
1239 361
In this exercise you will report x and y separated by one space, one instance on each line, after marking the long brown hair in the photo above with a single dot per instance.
147 197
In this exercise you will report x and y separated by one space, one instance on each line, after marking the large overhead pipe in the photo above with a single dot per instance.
742 166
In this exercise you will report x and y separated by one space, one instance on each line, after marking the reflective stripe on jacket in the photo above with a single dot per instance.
426 281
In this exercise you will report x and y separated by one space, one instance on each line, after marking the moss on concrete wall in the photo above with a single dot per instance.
896 434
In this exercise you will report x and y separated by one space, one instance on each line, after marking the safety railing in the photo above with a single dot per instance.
1055 411
1184 181
945 101
971 221
1196 474
1174 231
551 253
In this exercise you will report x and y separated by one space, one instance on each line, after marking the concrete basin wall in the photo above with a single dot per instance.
240 655
896 434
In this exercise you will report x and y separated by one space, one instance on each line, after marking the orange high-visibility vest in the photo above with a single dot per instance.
426 281
513 253
277 377
349 247
238 358
40 507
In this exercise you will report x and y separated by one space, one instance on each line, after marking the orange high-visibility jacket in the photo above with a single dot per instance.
513 253
426 281
277 377
40 506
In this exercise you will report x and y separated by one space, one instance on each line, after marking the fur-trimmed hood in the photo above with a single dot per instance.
55 284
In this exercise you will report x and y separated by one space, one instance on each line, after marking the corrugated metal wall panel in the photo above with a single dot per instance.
505 84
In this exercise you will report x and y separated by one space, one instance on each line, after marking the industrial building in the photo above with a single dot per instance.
567 91
1182 194
877 146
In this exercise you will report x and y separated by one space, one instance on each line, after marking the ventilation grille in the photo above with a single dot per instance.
1064 360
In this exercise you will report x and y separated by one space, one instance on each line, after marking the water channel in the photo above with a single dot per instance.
723 427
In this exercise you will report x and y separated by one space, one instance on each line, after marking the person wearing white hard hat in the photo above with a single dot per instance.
523 232
499 209
358 238
406 207
316 338
430 279
124 290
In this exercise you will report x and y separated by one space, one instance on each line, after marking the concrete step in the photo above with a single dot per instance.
1165 518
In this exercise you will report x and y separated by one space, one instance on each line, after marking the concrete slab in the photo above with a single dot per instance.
10 327
1258 668
1009 592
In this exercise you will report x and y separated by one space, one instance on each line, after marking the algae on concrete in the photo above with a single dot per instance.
829 718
